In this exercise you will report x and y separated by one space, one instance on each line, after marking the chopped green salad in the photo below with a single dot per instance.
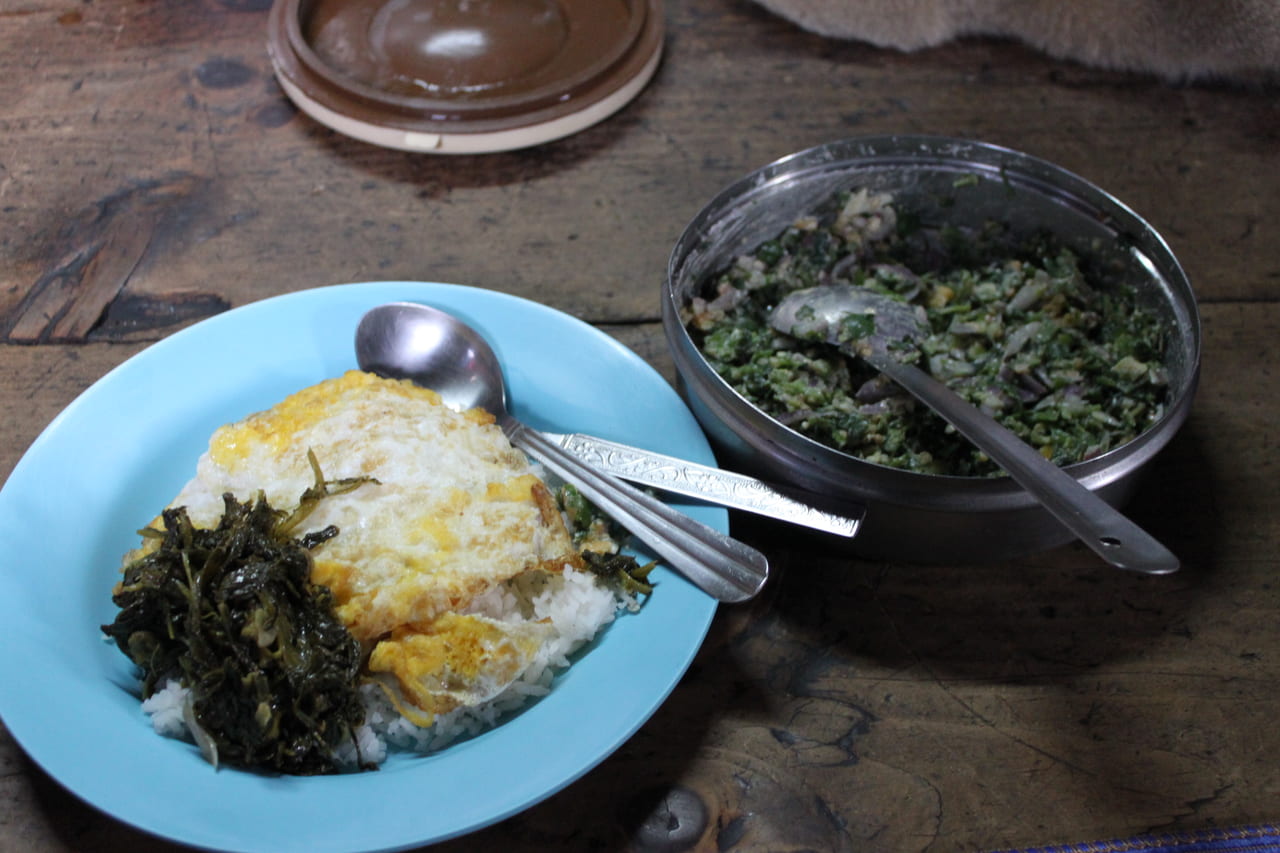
1072 366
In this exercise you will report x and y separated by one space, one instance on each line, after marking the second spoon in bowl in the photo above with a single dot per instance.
835 314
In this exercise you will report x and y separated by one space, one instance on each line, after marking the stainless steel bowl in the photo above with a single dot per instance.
910 516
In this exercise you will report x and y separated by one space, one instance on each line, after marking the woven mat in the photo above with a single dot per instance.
1233 41
1262 838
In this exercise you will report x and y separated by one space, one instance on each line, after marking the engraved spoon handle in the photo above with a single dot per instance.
714 485
721 566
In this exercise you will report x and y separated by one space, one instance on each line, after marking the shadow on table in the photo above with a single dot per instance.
1062 611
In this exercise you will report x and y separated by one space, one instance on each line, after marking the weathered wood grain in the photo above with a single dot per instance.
268 201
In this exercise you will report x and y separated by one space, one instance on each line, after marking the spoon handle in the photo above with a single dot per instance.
714 485
725 568
1099 525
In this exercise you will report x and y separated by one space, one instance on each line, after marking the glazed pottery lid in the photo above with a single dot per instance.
463 76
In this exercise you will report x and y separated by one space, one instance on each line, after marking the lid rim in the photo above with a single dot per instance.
470 140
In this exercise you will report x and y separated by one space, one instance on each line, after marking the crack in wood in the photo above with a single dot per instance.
130 314
100 251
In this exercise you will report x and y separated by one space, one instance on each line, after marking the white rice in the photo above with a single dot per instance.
574 602
165 709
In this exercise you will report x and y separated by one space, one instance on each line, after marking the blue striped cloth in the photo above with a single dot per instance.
1262 838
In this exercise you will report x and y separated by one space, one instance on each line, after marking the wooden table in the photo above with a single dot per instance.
152 174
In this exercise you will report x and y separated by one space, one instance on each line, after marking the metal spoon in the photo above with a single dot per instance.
837 314
390 341
400 341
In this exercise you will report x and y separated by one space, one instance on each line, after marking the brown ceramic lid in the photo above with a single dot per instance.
463 76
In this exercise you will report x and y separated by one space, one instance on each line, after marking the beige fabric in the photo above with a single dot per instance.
1176 39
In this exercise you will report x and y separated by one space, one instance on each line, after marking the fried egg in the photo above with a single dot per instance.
455 513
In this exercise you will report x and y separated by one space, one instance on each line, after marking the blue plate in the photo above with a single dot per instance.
121 451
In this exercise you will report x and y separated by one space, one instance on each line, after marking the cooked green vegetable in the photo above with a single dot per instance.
231 613
620 572
587 524
582 517
1072 366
